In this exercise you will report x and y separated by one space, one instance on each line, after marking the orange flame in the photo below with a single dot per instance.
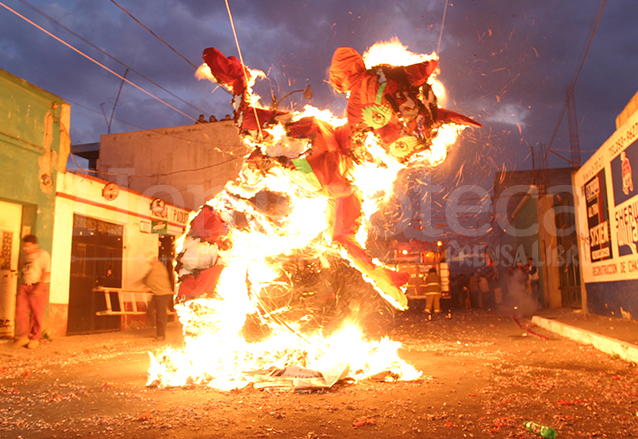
216 352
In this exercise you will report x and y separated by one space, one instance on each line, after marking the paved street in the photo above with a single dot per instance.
483 376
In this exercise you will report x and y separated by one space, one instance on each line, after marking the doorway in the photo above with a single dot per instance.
96 259
567 250
10 221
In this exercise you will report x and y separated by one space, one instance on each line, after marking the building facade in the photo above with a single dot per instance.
606 200
98 233
534 218
103 235
34 146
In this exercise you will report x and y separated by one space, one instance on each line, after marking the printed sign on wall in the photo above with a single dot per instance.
625 199
598 218
621 173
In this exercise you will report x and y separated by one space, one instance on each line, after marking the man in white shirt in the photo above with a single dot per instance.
33 293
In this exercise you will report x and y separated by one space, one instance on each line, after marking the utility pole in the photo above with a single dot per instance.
574 141
117 99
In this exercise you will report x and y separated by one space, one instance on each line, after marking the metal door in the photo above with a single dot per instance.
96 259
567 250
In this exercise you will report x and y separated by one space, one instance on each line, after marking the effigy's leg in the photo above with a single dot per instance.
345 213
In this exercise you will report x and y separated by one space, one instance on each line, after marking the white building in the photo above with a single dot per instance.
101 236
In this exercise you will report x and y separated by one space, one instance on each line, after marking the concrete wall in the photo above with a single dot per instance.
185 165
34 146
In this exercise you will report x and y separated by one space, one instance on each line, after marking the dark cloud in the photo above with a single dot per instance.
504 63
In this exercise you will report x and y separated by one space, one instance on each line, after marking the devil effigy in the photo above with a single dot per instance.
308 164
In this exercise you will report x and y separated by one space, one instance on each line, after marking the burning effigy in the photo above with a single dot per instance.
260 263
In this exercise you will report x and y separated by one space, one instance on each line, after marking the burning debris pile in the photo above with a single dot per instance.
262 264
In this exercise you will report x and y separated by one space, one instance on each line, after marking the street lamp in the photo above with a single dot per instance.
307 93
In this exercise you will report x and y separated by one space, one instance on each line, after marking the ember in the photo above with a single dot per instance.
260 264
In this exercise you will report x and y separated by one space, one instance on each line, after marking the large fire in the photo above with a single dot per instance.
263 266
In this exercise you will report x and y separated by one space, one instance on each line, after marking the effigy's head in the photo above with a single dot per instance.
395 102
392 95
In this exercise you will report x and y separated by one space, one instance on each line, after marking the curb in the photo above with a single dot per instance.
608 345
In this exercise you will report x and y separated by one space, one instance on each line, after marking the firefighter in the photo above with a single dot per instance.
432 292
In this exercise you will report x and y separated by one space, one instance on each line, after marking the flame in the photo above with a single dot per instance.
393 53
223 361
204 72
256 287
447 135
323 115
216 352
396 54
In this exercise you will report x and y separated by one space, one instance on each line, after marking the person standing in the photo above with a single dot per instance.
157 280
33 293
533 277
432 292
484 287
475 293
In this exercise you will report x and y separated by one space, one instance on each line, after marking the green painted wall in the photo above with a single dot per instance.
30 133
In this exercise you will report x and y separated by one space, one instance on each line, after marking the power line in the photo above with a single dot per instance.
187 170
107 54
95 111
153 33
93 60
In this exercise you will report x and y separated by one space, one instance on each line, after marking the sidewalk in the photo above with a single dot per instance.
614 336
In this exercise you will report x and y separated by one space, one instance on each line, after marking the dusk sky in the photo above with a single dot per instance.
504 63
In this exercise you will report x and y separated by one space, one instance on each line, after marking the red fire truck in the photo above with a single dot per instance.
418 264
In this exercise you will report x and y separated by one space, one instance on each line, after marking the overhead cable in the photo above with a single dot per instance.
107 54
153 33
95 61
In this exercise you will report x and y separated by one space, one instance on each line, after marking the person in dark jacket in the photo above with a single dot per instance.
157 280
432 292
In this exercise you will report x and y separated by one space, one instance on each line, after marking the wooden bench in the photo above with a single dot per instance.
128 300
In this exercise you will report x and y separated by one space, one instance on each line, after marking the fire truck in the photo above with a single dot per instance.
418 263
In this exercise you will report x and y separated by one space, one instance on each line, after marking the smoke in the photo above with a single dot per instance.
519 299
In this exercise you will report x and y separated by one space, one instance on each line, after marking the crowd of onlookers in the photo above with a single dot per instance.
212 118
492 286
